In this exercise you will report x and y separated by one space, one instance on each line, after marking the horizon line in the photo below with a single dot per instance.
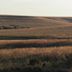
31 15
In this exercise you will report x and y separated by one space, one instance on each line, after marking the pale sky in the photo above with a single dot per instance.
36 7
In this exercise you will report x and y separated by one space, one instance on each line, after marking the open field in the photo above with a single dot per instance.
38 44
35 26
35 43
20 52
36 59
39 54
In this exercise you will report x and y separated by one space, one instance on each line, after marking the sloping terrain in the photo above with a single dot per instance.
26 26
38 44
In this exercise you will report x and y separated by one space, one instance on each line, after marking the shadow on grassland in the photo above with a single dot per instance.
36 45
31 37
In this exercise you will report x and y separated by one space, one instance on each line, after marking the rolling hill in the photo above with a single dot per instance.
39 44
28 26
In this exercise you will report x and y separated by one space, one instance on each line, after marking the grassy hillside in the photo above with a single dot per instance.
38 44
26 26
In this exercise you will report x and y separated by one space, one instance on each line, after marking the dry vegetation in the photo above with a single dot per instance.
35 58
35 26
52 59
38 44
39 41
20 52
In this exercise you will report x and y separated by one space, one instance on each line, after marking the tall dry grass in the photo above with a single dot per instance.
36 41
20 52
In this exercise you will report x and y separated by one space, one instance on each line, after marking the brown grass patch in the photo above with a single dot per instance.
55 51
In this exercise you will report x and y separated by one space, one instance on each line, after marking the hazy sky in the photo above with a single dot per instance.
36 7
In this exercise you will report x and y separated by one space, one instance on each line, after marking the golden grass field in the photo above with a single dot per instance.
35 50
19 52
37 26
24 36
39 41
